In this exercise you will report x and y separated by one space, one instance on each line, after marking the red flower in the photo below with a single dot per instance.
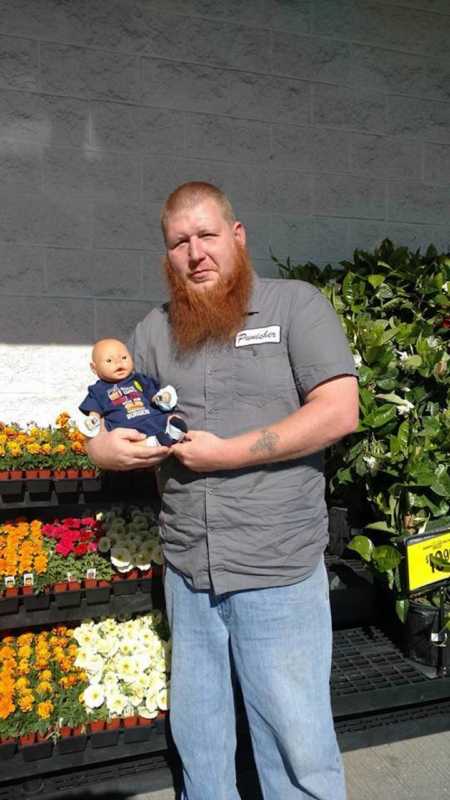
88 522
80 549
85 536
72 522
446 322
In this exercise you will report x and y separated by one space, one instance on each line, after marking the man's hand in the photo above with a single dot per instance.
123 449
201 451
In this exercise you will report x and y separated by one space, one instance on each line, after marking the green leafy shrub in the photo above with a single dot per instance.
394 305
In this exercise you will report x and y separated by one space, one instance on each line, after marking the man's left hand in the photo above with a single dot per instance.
201 451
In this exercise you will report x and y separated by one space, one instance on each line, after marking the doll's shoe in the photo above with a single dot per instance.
166 398
164 439
176 428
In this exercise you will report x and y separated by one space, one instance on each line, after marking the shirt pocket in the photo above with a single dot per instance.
261 373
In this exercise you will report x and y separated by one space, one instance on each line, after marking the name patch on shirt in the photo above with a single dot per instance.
271 333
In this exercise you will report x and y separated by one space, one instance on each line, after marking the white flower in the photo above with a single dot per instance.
127 669
433 342
94 696
104 544
402 354
120 557
151 704
143 557
116 702
357 359
163 699
405 407
445 287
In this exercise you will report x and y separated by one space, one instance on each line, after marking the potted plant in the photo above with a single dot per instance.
394 305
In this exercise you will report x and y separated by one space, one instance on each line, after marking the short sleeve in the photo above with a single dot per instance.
90 403
318 347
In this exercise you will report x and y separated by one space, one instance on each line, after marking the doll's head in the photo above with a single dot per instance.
111 360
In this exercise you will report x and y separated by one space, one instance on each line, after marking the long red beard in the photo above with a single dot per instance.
211 314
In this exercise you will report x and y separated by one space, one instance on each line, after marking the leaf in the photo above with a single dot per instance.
381 526
386 557
402 608
378 418
376 280
363 546
441 482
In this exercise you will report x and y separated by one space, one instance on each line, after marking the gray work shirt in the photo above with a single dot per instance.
257 526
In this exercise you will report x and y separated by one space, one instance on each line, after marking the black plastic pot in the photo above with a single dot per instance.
421 622
37 602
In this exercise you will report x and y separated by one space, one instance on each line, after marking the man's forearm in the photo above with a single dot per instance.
329 413
313 427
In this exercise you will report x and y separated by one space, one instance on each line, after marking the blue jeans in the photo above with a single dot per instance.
280 639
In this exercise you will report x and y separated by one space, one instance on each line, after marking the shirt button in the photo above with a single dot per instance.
210 491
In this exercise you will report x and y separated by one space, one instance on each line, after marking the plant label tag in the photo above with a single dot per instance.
10 581
28 579
71 577
91 574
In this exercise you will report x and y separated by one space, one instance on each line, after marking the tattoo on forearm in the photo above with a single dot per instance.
267 443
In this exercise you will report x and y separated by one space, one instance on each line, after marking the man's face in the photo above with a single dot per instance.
201 244
111 361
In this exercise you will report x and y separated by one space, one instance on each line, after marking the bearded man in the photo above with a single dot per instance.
265 381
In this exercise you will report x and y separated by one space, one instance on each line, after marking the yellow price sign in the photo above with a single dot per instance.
423 554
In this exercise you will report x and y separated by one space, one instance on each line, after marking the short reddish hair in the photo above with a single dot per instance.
190 194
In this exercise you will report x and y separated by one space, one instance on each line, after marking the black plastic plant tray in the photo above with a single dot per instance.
352 593
18 767
370 673
141 772
391 726
136 603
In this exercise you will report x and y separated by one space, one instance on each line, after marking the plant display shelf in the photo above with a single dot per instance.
142 769
131 741
148 596
109 487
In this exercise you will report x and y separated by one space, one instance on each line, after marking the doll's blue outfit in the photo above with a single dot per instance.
127 404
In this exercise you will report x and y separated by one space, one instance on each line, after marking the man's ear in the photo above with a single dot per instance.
239 233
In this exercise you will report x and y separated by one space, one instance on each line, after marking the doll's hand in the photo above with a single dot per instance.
123 449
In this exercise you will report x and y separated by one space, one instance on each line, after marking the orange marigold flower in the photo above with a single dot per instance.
44 687
44 709
46 675
7 707
26 702
22 683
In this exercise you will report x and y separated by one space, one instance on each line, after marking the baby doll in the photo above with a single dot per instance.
128 399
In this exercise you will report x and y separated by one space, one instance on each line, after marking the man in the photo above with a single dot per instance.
266 381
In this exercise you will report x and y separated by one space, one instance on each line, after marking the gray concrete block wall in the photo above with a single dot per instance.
327 122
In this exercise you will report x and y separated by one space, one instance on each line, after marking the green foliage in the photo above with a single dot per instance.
394 306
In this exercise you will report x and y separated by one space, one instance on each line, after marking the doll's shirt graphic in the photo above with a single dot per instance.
126 404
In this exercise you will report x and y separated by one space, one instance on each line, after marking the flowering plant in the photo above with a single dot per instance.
131 538
39 677
22 550
395 308
127 664
59 447
50 552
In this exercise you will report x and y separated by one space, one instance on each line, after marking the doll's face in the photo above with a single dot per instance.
111 360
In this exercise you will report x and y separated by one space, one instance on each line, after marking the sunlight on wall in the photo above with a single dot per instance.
40 381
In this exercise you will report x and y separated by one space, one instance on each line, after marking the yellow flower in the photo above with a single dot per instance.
44 709
26 702
44 687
